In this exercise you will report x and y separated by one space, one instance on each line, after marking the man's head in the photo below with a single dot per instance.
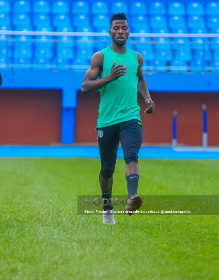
119 29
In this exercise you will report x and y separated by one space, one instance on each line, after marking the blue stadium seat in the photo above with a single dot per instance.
213 21
195 8
212 8
64 52
86 53
216 55
157 8
85 42
165 55
138 8
21 19
41 19
215 44
43 52
99 7
80 7
196 22
202 30
40 7
147 53
103 41
214 30
179 30
101 21
181 44
143 43
200 43
162 43
64 29
41 64
176 9
5 7
44 27
204 55
60 7
158 22
139 21
184 55
177 22
88 29
3 63
160 66
119 7
80 62
214 66
23 40
140 29
21 7
21 52
160 30
81 20
61 20
5 52
196 66
5 19
21 63
178 66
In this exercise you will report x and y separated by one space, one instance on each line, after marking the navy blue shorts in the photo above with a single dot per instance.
130 133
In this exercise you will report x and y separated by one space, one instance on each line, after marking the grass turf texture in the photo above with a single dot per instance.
42 237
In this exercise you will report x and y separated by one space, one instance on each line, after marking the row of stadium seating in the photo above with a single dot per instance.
195 66
39 21
103 7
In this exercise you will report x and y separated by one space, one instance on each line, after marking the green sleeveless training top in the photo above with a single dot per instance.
118 99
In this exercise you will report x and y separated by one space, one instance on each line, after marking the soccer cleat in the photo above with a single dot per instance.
108 217
132 204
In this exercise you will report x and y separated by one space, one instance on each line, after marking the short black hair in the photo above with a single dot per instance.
118 17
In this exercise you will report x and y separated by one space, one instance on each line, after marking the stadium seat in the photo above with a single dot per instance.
177 22
84 53
158 22
195 8
21 19
41 19
214 66
43 52
184 55
99 8
181 44
212 8
21 52
179 30
215 44
5 19
5 52
160 30
85 42
21 63
24 40
103 41
139 22
163 43
40 7
81 21
61 20
41 64
88 29
204 55
196 66
176 9
5 7
147 53
80 7
202 30
62 64
60 7
213 21
44 27
157 8
200 43
21 7
141 29
3 63
196 22
64 52
101 21
138 8
178 66
163 55
160 66
119 7
80 61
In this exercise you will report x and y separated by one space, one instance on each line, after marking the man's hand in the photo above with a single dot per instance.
117 71
0 79
151 106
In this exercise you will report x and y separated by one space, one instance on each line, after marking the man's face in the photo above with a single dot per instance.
119 31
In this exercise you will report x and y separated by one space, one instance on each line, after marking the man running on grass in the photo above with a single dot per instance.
120 75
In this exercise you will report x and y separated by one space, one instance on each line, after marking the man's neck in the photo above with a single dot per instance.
118 49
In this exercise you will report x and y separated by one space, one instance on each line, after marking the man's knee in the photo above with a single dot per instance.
131 156
107 171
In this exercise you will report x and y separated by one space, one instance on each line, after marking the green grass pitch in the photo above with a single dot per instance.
42 237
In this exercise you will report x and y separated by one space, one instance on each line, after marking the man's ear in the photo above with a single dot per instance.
110 32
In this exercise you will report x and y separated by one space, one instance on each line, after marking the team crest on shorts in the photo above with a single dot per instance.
100 133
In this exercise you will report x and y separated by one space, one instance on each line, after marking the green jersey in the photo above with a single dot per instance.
118 99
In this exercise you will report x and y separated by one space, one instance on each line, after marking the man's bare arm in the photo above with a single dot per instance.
90 82
143 88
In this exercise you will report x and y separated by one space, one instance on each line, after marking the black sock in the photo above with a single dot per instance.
132 184
106 195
